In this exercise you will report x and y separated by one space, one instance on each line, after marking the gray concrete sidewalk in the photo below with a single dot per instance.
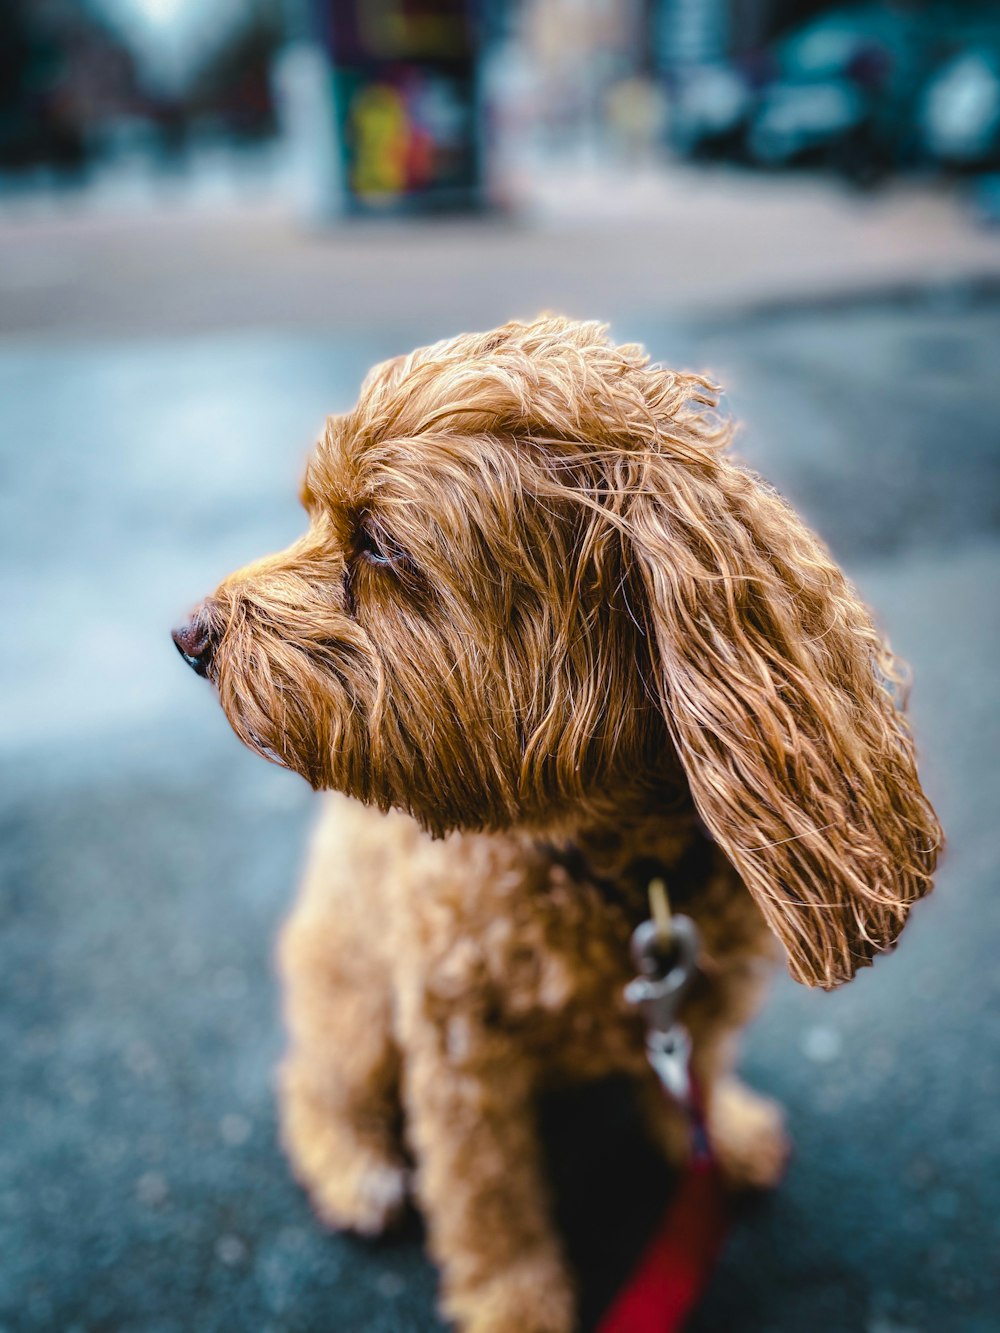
682 242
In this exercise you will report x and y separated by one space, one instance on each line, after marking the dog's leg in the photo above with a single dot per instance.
339 1081
481 1182
748 1135
746 1129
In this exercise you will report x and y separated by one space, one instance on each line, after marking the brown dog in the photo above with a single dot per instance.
545 635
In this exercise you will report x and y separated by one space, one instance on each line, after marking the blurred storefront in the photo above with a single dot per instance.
86 80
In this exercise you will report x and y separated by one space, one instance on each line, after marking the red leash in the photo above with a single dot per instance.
674 1270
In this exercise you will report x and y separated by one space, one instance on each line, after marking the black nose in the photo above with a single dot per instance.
195 642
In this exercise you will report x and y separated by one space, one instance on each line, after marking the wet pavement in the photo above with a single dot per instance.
147 859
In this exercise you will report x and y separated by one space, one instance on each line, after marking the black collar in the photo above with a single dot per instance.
684 877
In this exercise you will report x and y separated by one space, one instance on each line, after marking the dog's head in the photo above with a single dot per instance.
533 576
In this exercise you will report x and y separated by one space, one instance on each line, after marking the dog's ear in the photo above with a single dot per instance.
783 702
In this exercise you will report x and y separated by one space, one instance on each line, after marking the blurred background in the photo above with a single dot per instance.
213 218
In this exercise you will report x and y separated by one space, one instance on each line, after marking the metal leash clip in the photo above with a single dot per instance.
665 952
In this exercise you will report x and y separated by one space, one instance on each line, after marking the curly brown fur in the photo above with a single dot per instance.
540 606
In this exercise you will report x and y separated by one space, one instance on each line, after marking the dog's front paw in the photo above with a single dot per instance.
534 1295
748 1136
354 1184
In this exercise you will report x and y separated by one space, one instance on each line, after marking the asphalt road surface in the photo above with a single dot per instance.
147 859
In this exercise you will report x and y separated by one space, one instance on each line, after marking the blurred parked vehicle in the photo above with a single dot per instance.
865 91
960 113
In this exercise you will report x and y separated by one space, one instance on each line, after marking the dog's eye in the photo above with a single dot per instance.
375 548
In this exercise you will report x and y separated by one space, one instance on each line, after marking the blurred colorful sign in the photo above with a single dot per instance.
405 93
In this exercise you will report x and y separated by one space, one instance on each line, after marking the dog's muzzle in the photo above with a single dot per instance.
195 642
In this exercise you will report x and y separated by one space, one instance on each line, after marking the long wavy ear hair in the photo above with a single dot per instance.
785 705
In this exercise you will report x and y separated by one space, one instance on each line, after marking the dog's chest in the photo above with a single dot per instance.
502 938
